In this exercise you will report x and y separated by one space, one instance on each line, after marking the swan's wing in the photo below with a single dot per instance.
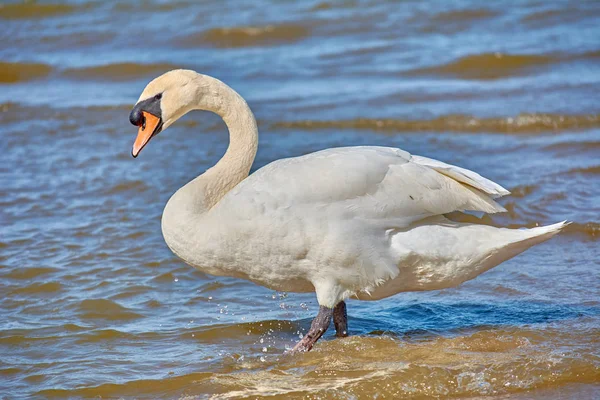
375 183
464 176
331 216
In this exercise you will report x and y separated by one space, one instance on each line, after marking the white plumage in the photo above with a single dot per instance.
356 221
362 221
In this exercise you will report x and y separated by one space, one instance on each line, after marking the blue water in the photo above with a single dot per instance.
92 301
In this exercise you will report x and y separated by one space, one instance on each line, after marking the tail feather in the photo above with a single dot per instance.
515 242
438 253
527 239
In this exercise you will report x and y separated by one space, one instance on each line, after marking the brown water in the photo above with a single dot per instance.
93 304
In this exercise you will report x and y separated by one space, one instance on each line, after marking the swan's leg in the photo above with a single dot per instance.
340 319
317 329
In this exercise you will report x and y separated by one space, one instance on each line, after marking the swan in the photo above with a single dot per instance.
364 222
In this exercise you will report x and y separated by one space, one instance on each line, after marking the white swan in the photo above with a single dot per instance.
363 222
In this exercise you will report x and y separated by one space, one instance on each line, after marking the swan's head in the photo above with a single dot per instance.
165 100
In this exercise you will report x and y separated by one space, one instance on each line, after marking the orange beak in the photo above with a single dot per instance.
145 132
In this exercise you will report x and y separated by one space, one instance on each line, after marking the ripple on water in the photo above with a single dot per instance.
522 191
78 227
106 310
452 21
522 123
466 15
594 170
29 272
488 66
573 147
21 72
120 71
136 186
589 229
38 288
557 16
103 335
132 291
247 36
232 331
168 387
31 9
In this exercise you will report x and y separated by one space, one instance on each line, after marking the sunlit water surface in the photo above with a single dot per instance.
94 304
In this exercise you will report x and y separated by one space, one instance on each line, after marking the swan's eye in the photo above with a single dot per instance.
158 96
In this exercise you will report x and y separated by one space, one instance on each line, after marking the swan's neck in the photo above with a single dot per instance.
235 165
180 217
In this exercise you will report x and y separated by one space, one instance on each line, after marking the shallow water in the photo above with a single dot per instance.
94 304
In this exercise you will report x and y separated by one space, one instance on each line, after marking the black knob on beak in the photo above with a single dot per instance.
136 117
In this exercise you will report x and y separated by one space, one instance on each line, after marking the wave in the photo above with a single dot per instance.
120 71
232 331
248 36
573 147
37 288
557 16
498 361
490 66
134 186
21 72
151 388
589 229
522 191
110 335
105 309
594 170
463 15
324 5
122 7
522 123
28 273
31 9
487 66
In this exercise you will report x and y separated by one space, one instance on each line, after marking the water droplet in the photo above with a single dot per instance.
262 340
210 297
176 280
262 359
264 349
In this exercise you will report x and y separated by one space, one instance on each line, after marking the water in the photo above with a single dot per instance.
94 304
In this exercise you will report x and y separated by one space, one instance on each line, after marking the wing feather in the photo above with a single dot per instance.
464 176
366 182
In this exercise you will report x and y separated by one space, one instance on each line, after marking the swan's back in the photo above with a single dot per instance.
368 182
